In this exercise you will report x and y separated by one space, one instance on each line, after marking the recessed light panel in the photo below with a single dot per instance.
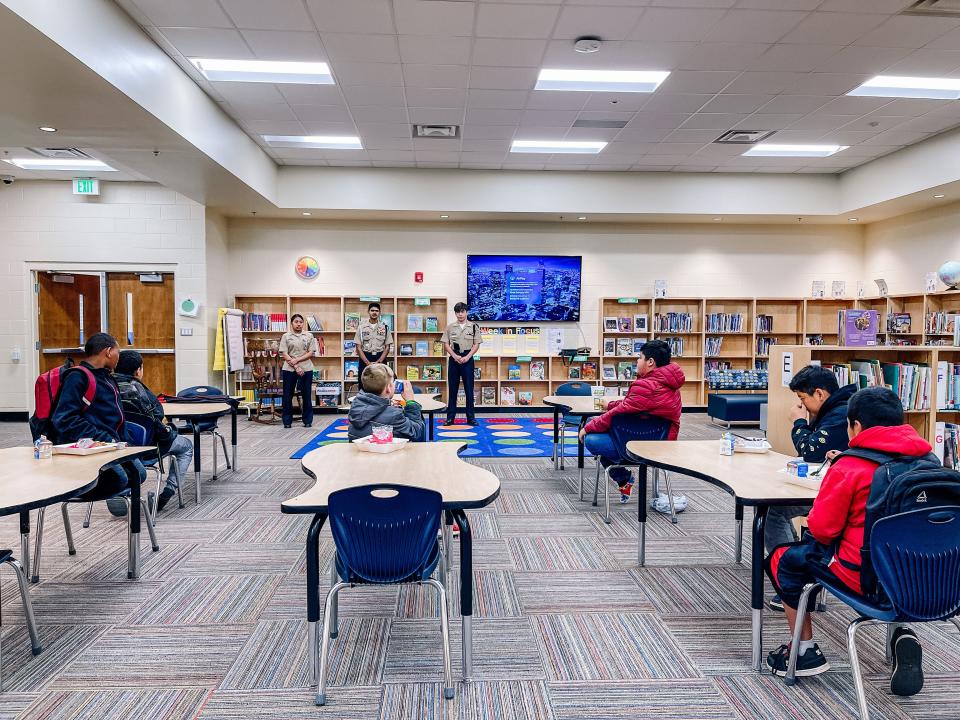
909 87
547 147
779 150
641 81
266 71
331 142
77 165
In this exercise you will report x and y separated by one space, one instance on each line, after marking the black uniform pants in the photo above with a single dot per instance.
455 373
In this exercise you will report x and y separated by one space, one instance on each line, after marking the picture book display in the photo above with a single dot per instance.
313 324
437 348
349 347
640 323
328 394
609 346
431 324
524 397
589 371
488 395
625 324
537 370
421 347
609 372
431 372
898 323
508 396
413 372
351 369
857 327
610 324
624 347
513 371
414 323
573 372
406 349
265 322
477 372
351 321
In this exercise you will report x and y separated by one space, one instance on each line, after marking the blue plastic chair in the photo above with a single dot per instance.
384 534
916 557
626 428
208 425
569 388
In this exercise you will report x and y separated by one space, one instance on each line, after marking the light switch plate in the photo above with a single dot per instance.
186 332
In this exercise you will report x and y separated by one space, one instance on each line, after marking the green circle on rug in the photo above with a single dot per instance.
462 441
330 442
572 440
515 441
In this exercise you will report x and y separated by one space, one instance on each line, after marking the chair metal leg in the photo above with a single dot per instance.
321 698
447 526
133 545
956 621
38 545
67 528
335 609
560 441
855 664
86 519
213 438
606 493
738 541
27 605
314 651
791 676
666 481
157 502
149 523
223 444
445 630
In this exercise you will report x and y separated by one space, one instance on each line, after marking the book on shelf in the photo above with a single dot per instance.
609 346
641 323
513 371
414 323
676 345
488 395
898 322
437 348
524 397
763 323
314 324
349 347
764 343
431 324
814 339
537 370
432 390
321 346
413 372
476 396
947 444
431 372
508 395
624 347
573 372
420 348
388 320
610 324
714 365
351 321
724 323
264 322
328 394
761 364
609 372
477 372
351 369
638 344
626 371
625 324
673 322
461 396
589 371
948 385
712 345
406 349
857 328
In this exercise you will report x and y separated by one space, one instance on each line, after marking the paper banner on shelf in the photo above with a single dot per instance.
554 341
838 289
491 342
531 340
508 345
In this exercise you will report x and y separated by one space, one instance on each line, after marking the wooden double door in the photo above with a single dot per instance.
136 308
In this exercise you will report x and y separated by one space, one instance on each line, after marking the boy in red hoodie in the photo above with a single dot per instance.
656 391
874 421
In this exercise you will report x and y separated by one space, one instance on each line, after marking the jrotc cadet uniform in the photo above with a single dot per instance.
461 338
373 339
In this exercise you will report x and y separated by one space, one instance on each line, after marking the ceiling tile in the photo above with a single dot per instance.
875 122
541 132
275 15
372 95
493 116
548 100
310 94
497 98
347 47
416 17
418 49
625 102
386 143
827 28
876 6
380 74
356 16
592 134
703 81
436 116
795 104
828 83
847 105
377 114
689 135
384 131
764 26
675 103
261 111
549 118
285 45
488 132
515 21
791 57
435 76
654 121
653 55
779 4
949 41
493 78
771 83
184 13
897 137
906 31
736 103
930 123
862 59
509 53
845 137
322 113
316 127
640 134
452 155
722 56
927 62
241 92
759 121
207 42
435 97
675 24
276 127
561 54
713 121
822 121
609 23
486 146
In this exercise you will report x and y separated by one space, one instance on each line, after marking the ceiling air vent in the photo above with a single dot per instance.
447 132
60 153
744 137
937 8
606 124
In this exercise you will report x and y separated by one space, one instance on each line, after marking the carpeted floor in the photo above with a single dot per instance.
567 626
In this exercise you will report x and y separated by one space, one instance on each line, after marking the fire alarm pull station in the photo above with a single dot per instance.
418 277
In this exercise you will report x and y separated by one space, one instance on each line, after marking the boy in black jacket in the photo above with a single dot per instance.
73 419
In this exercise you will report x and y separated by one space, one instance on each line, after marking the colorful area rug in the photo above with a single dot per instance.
492 437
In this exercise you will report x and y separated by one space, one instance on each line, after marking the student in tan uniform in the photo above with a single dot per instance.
372 339
461 339
297 349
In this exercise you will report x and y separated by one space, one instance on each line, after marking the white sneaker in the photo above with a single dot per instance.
661 503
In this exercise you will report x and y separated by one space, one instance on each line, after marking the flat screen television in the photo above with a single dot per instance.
518 288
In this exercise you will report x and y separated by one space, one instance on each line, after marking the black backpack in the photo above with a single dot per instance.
900 484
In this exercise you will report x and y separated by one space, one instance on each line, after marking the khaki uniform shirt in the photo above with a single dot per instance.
295 345
373 339
462 339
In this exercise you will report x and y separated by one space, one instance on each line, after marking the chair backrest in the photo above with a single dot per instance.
627 427
574 388
200 391
416 390
916 556
138 434
385 533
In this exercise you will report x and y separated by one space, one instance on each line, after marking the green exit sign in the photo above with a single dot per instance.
86 186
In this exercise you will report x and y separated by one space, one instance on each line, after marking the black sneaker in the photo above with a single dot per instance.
810 663
775 603
907 677
165 495
287 426
117 507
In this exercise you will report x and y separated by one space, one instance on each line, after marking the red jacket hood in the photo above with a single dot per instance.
670 375
900 439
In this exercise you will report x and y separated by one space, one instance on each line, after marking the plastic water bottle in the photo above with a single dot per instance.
43 449
726 443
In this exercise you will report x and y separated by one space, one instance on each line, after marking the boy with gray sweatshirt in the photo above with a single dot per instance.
374 405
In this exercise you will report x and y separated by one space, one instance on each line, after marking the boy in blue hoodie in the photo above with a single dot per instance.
374 405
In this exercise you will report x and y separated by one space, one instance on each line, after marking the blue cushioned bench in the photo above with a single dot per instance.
731 408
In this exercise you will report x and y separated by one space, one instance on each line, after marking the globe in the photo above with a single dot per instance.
949 273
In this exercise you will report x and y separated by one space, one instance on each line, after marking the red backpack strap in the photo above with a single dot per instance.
91 390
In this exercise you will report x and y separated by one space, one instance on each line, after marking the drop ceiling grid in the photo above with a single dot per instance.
736 64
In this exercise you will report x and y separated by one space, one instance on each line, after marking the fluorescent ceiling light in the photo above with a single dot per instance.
78 164
779 150
335 142
267 71
644 81
548 147
909 87
48 128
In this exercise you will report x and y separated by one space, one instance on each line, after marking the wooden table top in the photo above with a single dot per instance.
574 404
26 483
752 477
188 409
435 466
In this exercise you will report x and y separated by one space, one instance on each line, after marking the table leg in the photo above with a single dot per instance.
430 427
580 448
642 514
756 584
738 535
196 459
25 542
133 571
233 435
556 437
466 590
313 593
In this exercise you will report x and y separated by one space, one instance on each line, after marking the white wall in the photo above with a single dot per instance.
903 250
696 260
218 289
131 226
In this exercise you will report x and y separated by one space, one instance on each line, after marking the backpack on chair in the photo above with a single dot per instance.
46 391
900 484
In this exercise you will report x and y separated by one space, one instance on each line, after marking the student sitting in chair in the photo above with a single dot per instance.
836 531
656 391
374 405
138 398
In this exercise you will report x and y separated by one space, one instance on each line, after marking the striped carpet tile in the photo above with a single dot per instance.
150 657
610 647
103 603
359 601
720 644
536 503
265 530
343 703
12 704
690 699
560 553
571 524
173 530
939 699
708 523
357 655
504 700
224 507
726 544
487 555
179 704
209 600
224 489
494 595
24 672
325 554
623 524
682 550
483 525
696 590
709 501
417 701
571 592
246 559
274 656
112 566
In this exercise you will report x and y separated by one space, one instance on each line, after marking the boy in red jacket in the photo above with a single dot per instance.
656 391
835 538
